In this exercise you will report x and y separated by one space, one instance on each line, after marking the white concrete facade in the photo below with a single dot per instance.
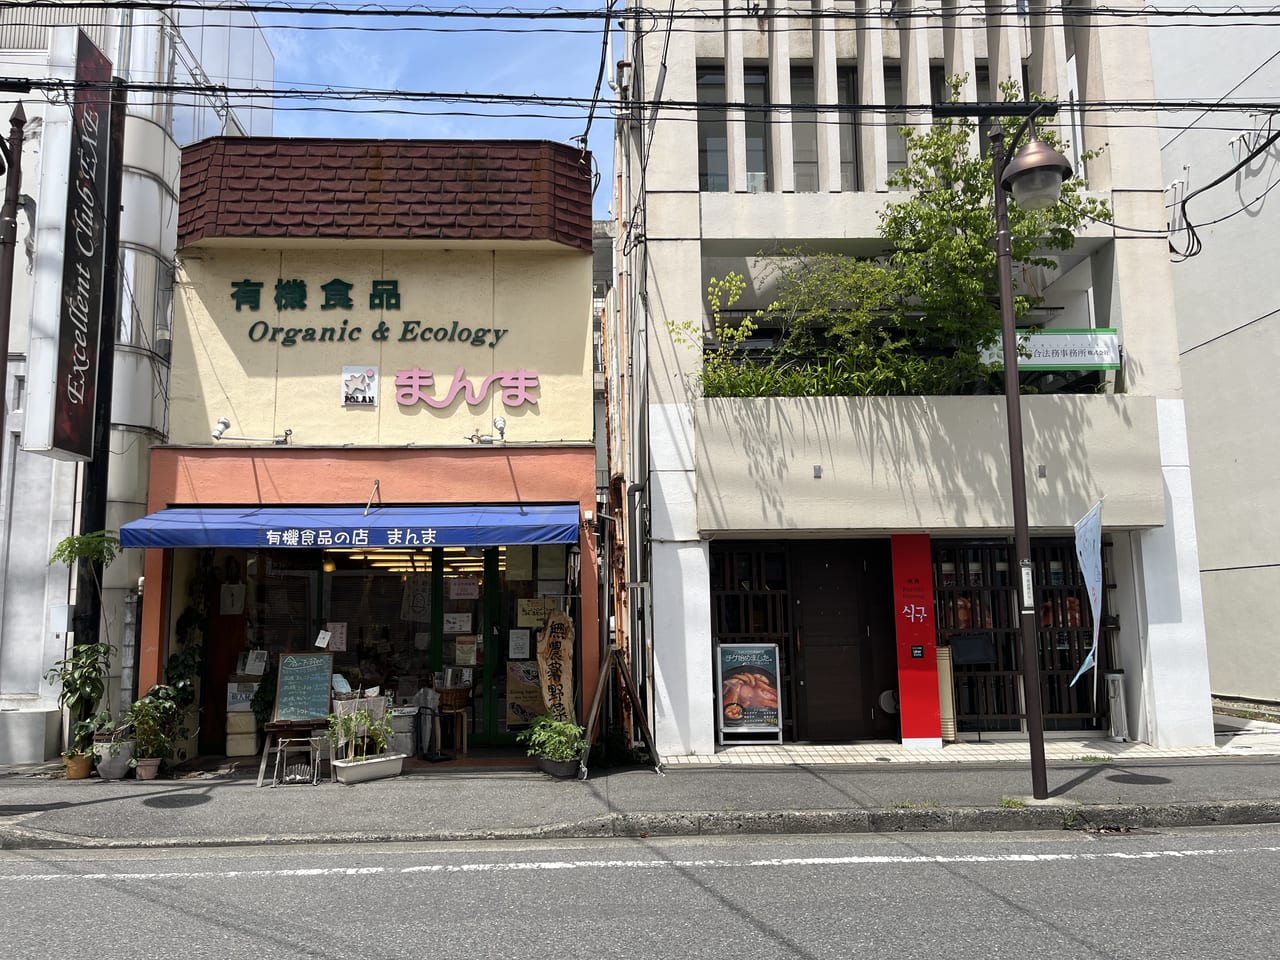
724 470
40 496
1227 300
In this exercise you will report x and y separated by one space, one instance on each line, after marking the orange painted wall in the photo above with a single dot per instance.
199 476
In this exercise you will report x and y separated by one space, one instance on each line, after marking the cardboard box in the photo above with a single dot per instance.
242 745
239 695
241 722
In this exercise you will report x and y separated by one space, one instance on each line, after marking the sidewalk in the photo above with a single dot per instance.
861 788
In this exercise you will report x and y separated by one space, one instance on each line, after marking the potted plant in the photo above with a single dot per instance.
112 745
154 721
81 677
350 735
557 745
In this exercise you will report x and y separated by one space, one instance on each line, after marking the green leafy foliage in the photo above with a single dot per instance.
553 739
81 677
351 734
155 721
100 546
915 320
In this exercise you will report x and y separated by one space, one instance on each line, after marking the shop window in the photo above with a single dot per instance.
401 620
977 615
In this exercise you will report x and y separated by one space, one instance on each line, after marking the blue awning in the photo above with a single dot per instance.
310 528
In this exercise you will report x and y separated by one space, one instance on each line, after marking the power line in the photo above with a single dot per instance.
747 12
58 86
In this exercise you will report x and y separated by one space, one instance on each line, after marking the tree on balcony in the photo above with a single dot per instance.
913 321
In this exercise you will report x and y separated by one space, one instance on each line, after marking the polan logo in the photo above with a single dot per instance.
359 386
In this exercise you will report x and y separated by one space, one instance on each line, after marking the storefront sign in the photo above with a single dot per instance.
411 387
359 386
555 665
917 641
82 260
747 678
292 295
1096 349
409 331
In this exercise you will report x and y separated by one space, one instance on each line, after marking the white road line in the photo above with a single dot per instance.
712 864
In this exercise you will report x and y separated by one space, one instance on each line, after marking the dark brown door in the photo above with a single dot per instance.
842 597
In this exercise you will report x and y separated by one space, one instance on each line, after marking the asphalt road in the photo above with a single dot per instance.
1178 894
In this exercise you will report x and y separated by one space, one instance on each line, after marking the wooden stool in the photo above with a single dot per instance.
459 715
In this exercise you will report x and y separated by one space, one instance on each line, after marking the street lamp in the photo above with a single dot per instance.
1034 175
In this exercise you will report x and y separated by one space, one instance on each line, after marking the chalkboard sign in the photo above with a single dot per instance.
302 686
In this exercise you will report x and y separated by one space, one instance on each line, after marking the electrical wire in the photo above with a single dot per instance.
604 62
747 12
1252 73
1194 245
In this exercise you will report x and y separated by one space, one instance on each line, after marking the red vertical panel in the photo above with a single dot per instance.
916 630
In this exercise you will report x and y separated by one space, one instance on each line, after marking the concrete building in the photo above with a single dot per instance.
381 424
832 528
41 491
1224 166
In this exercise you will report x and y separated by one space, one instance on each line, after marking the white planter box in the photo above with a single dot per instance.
373 768
113 767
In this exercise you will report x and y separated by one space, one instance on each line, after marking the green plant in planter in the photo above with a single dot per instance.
553 739
100 726
82 680
351 733
154 720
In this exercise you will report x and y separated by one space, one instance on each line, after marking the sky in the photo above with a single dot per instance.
562 58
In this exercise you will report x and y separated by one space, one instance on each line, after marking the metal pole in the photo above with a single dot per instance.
8 244
1018 477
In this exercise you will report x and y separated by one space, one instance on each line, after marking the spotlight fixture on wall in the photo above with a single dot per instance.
223 425
499 424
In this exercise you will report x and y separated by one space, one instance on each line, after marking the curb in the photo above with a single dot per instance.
1096 818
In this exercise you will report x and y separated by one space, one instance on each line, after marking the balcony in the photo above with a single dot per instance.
939 464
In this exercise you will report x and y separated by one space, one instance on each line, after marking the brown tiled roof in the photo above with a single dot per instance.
269 188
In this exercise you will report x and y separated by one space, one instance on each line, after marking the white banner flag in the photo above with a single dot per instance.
1089 552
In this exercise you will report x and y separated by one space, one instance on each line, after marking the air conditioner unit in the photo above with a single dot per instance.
1116 705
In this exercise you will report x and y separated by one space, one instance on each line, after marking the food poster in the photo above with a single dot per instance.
524 693
747 676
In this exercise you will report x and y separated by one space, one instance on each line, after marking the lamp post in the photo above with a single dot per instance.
1034 175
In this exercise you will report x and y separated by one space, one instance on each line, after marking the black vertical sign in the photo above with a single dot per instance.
82 263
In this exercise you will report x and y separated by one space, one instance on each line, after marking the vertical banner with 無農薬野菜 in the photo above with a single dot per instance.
555 665
750 701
